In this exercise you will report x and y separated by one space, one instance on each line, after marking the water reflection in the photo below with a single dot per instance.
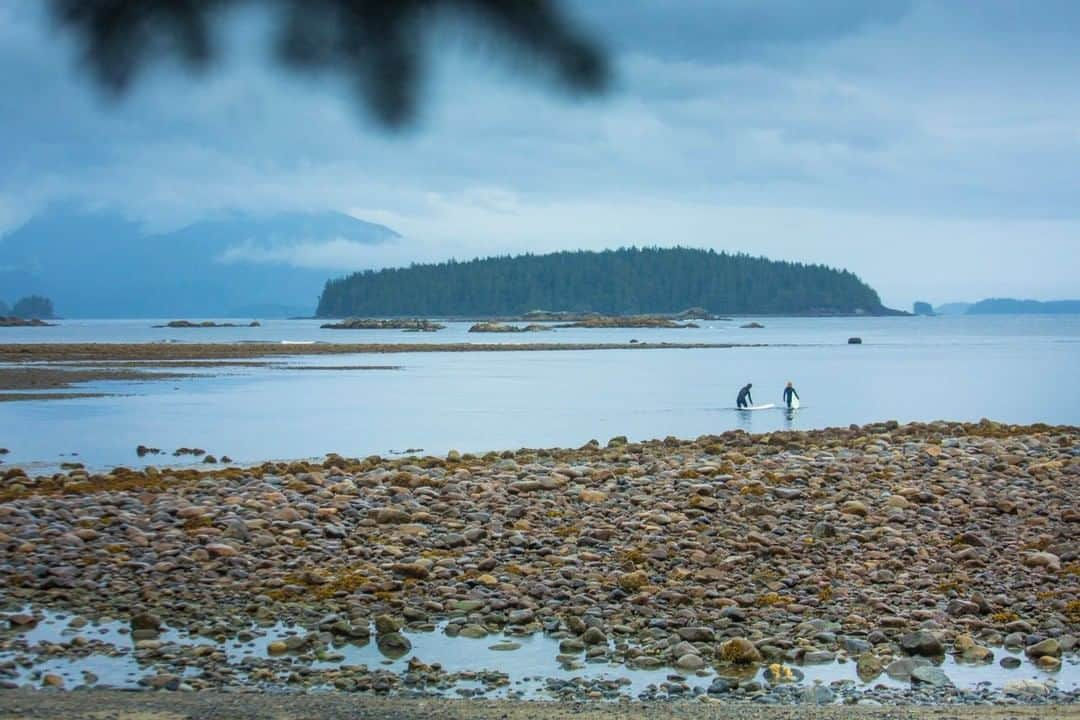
534 662
475 402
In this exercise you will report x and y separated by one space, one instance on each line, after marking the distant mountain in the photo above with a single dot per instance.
99 264
624 281
1009 306
956 308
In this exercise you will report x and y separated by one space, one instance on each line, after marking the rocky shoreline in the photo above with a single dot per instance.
731 565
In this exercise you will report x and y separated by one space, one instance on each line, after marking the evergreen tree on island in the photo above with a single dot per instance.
617 282
33 307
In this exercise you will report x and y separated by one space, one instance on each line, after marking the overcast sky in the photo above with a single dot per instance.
932 147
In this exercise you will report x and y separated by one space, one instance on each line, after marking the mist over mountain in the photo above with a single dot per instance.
100 264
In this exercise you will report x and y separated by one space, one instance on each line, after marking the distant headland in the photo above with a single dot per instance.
1004 306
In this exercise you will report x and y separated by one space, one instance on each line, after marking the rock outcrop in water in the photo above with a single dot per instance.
498 327
183 324
368 324
627 321
23 322
882 544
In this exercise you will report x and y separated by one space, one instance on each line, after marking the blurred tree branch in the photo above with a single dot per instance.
377 45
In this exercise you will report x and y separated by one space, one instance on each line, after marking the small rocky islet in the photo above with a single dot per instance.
885 546
188 324
8 321
406 324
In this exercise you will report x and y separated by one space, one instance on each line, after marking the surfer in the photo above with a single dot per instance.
744 400
789 391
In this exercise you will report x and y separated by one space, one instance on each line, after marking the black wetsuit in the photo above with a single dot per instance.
788 392
744 398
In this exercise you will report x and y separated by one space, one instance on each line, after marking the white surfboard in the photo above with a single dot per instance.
795 402
766 406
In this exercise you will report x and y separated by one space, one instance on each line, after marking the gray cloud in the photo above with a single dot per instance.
890 137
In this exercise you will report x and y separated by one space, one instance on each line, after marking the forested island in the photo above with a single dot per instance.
1009 306
618 282
31 307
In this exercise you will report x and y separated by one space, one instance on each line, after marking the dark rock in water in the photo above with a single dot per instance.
752 326
393 644
901 669
571 645
922 642
1010 663
386 624
145 621
188 451
854 341
930 675
868 666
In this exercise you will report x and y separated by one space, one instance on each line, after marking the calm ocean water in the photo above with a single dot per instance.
1010 368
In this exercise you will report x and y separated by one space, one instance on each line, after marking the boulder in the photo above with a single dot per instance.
739 651
930 675
922 642
1049 647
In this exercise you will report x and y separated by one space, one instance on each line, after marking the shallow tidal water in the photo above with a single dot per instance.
529 667
1017 369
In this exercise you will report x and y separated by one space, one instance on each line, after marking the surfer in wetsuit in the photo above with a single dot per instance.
744 399
789 391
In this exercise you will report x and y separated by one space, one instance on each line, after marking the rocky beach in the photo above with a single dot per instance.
872 564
